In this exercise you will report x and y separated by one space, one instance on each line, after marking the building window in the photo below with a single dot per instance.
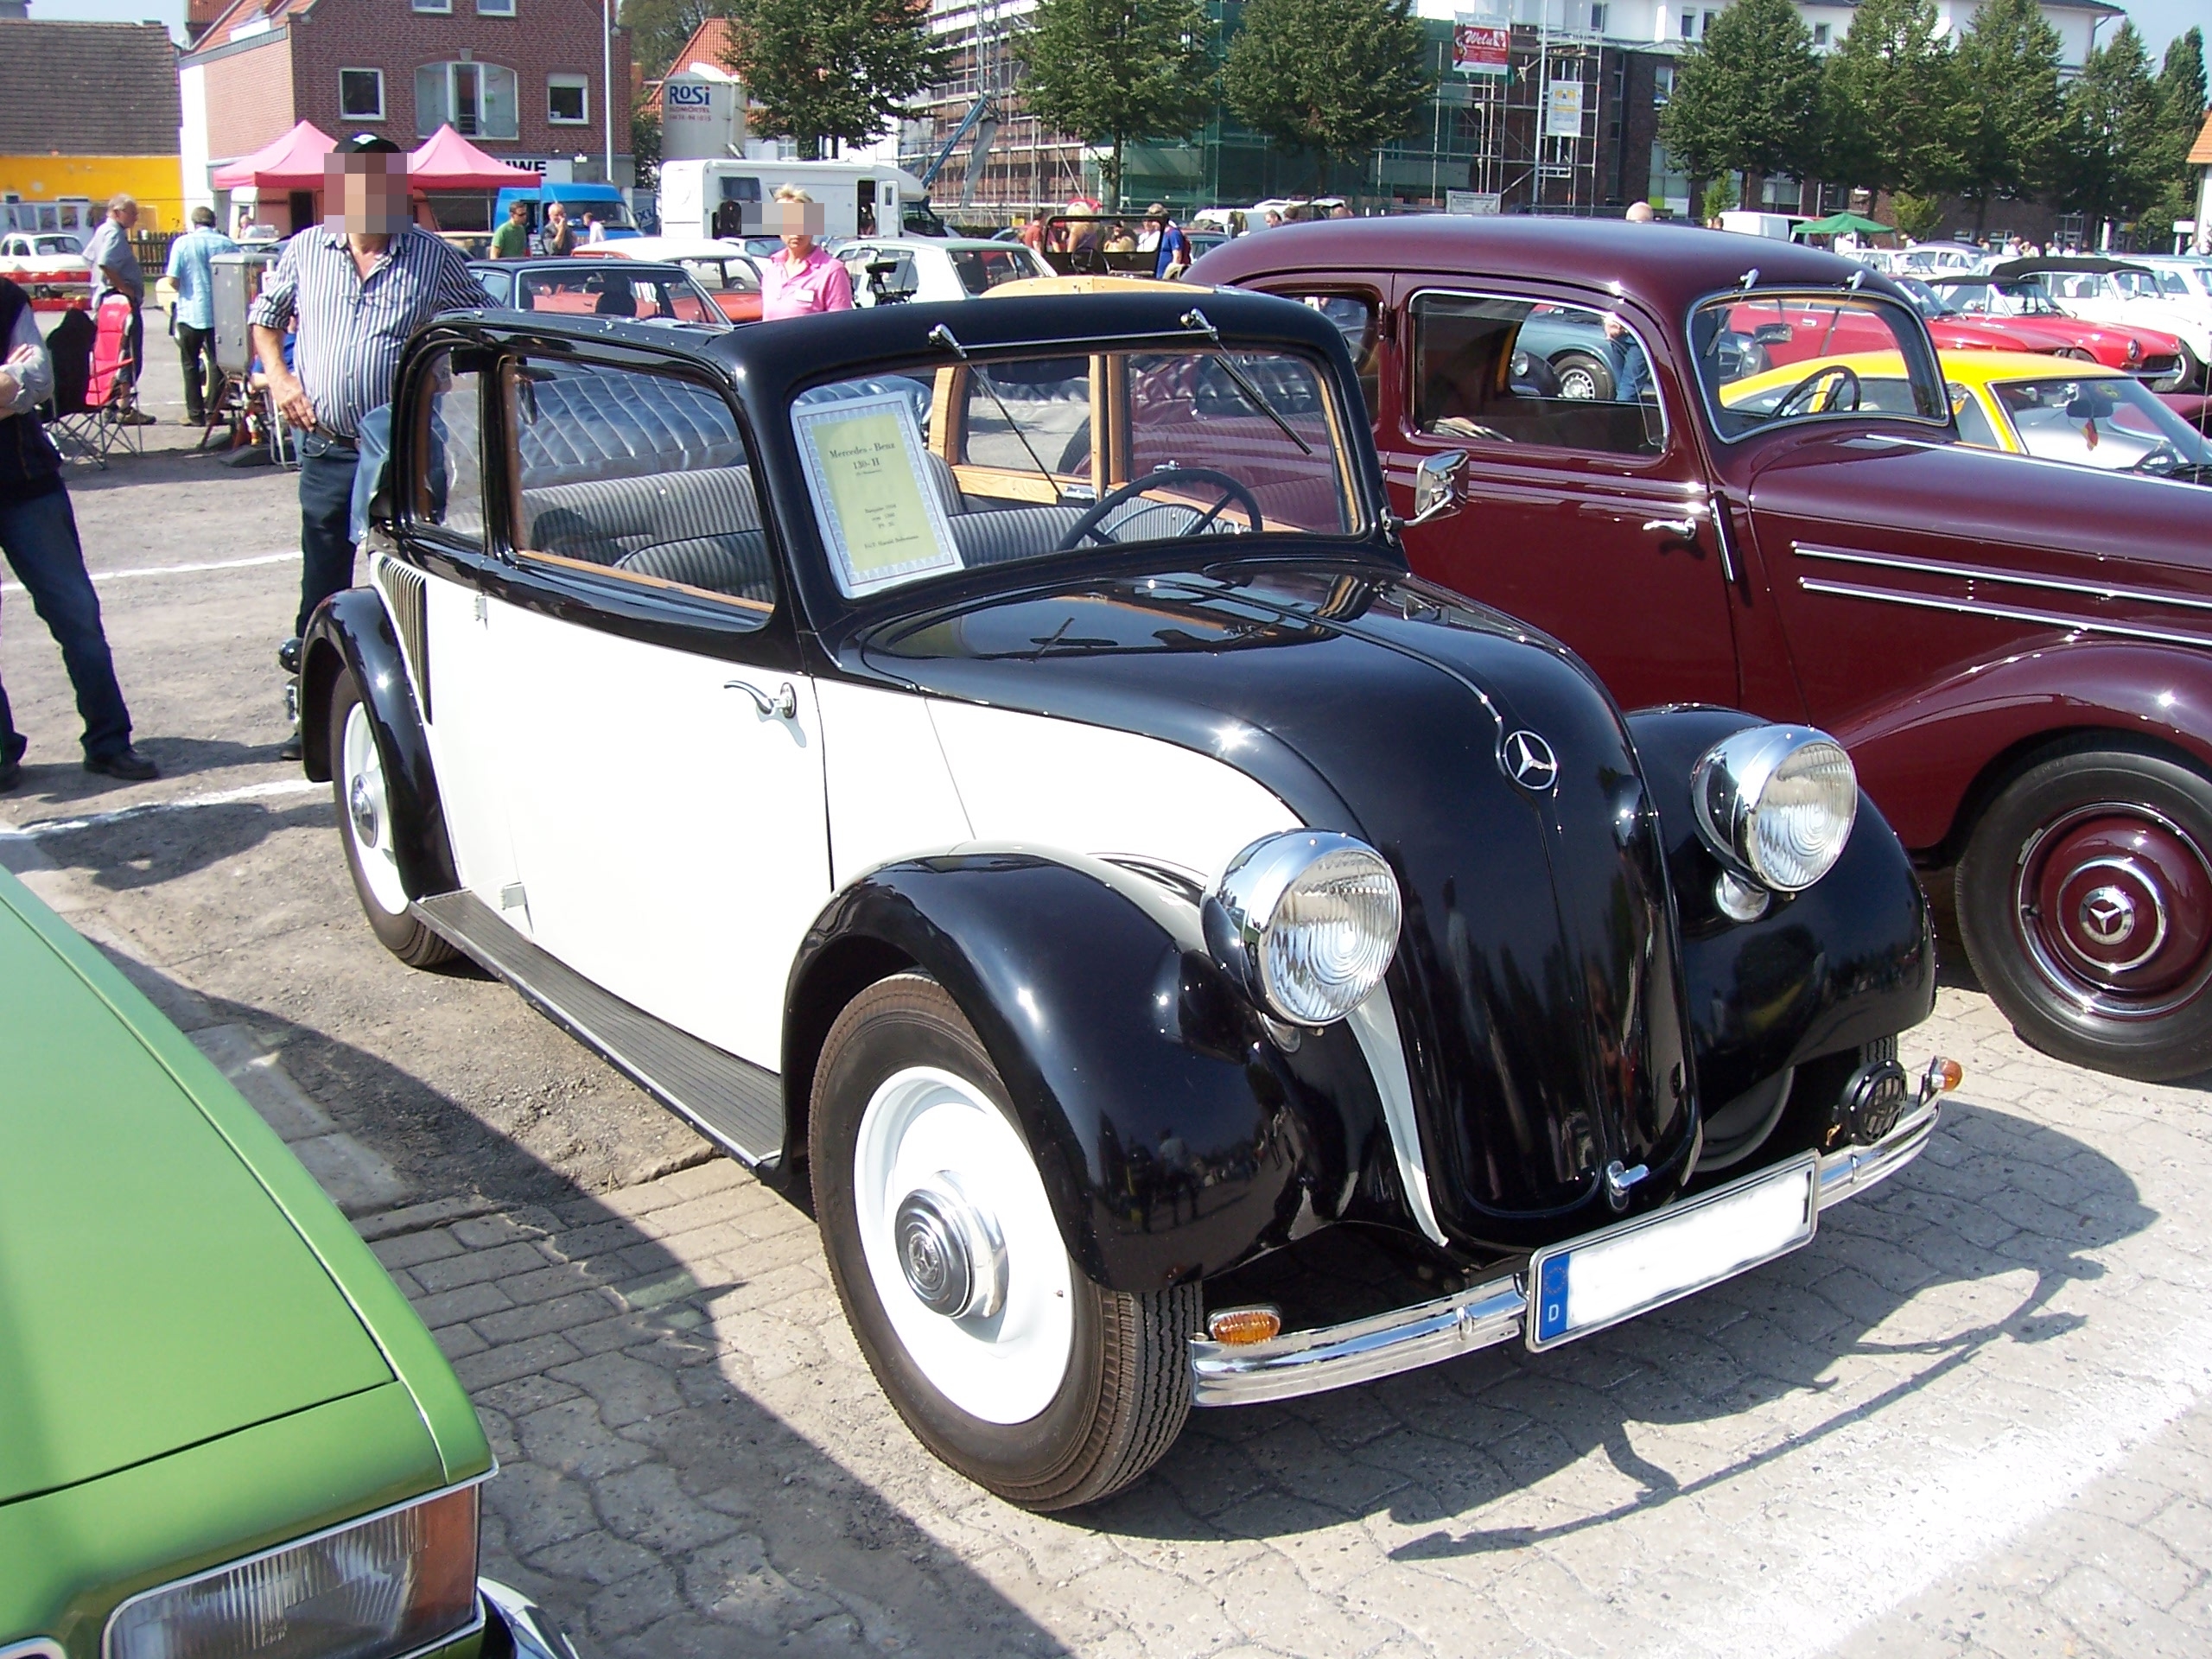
360 94
478 99
495 8
1707 28
1689 25
434 5
1820 33
568 99
1598 20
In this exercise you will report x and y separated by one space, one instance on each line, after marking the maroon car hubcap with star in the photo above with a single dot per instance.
2115 904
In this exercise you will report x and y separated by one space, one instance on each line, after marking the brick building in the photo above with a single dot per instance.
521 79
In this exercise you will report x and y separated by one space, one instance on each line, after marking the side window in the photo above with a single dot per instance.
642 477
449 488
1358 319
1016 415
1973 424
1514 370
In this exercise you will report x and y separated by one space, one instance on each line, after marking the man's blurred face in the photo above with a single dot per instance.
365 195
125 217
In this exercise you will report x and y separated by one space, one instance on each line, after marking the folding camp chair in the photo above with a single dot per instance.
91 392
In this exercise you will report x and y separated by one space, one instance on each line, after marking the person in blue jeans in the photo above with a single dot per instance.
38 533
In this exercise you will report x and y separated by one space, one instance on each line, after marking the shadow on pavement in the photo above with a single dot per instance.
159 845
1998 1193
645 1497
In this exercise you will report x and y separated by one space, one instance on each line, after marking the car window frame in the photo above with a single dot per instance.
1408 391
407 491
1707 396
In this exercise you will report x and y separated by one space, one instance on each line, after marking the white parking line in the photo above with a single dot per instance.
149 808
175 570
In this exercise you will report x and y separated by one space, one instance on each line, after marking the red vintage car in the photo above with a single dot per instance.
1969 313
2019 653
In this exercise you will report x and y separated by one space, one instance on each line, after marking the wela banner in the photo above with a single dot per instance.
1480 48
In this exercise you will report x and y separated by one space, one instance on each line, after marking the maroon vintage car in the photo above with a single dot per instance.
2018 652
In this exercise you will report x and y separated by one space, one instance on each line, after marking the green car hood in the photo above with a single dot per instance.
156 1289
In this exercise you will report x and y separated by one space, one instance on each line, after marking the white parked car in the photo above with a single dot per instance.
1926 259
2127 291
1089 863
49 265
891 272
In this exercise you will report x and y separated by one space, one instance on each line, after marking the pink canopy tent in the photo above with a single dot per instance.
293 162
448 161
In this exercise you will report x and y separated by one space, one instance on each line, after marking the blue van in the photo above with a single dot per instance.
609 203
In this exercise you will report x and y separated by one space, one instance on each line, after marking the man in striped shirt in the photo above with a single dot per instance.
353 290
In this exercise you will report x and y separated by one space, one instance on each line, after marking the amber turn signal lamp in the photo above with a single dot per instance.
1946 1074
1240 1327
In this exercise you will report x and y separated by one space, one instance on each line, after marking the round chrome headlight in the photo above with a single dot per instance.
1776 804
1306 923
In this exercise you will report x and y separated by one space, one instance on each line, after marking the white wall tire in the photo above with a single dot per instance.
369 831
1059 1393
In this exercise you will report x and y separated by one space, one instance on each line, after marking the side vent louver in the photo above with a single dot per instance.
407 592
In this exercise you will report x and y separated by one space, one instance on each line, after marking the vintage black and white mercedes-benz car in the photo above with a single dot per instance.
990 765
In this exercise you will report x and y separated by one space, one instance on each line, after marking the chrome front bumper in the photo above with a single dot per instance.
515 1629
1482 1316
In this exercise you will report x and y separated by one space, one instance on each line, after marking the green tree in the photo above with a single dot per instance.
1888 98
817 70
1337 78
658 29
645 144
1743 96
2181 106
2009 110
2112 132
1113 72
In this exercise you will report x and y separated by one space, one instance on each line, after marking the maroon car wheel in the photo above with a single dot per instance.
2086 899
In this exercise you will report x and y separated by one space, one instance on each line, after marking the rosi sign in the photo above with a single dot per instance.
692 95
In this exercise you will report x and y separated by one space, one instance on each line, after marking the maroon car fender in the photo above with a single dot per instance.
1931 756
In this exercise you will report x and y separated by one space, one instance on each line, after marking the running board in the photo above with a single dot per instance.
734 1103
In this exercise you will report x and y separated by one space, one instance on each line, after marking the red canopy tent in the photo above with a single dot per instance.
293 162
447 161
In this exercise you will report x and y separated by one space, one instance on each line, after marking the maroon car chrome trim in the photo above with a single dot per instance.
2005 613
2010 578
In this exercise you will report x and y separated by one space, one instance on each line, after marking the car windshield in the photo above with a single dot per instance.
1997 299
643 294
1768 358
2109 422
982 270
730 276
999 460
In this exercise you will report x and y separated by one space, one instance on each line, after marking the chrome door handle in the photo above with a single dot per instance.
1684 528
783 705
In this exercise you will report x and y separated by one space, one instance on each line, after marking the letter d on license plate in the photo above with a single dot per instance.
1603 1278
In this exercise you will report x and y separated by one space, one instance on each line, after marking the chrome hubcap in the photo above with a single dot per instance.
950 1251
364 811
2109 916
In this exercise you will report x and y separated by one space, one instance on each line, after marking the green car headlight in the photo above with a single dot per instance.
380 1586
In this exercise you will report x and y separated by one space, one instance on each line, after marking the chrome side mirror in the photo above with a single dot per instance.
1436 486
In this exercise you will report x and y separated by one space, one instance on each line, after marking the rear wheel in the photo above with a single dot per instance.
1001 1356
2085 897
371 835
1583 376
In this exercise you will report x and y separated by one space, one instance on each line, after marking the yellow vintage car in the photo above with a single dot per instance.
2019 402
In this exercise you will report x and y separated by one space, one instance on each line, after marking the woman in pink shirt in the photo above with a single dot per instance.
803 278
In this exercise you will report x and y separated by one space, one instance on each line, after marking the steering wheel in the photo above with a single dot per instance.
1231 490
1846 381
2163 456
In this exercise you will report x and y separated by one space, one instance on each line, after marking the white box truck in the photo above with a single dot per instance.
735 198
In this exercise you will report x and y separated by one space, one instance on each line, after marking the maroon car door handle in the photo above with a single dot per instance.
1682 530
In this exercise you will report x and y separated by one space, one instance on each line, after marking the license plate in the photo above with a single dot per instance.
1604 1278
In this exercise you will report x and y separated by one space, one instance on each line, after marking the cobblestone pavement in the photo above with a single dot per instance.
1969 1419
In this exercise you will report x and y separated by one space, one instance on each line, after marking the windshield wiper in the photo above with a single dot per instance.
1196 319
944 336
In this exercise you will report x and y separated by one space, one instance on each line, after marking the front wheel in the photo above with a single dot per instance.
1003 1359
2085 898
366 826
1583 378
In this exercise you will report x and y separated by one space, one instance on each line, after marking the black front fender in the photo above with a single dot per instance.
1175 1138
352 631
1849 960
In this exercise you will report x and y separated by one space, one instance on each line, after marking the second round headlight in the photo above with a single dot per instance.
1775 803
1306 922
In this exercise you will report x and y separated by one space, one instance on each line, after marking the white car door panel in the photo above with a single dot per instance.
668 822
467 745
